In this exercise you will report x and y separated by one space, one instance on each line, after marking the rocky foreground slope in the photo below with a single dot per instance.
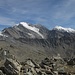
49 66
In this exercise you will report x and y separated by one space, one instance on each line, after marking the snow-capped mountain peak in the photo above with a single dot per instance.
32 28
64 29
26 25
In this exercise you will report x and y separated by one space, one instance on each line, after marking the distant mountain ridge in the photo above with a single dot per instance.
33 31
26 30
37 42
64 29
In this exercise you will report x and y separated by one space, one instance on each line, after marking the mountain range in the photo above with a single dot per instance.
25 40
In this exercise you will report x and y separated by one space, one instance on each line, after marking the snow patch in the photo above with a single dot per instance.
3 34
31 35
31 28
64 29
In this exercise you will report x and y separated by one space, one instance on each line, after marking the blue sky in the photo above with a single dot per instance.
49 13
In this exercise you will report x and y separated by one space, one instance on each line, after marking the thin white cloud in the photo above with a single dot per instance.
19 11
6 21
65 11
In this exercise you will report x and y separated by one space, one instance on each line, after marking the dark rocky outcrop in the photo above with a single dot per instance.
1 73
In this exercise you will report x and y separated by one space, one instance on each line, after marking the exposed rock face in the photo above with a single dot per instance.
25 30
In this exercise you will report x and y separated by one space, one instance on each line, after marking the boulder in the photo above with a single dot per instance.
12 67
31 63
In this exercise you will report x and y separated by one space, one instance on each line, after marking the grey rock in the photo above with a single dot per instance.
1 73
12 67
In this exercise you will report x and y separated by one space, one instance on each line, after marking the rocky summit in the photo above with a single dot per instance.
25 40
